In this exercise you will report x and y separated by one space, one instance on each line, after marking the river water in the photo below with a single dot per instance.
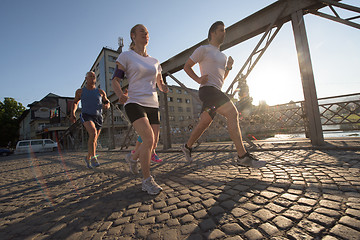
332 134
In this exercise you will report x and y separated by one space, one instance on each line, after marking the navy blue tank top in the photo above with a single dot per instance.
91 101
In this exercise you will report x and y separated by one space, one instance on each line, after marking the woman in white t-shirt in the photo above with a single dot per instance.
141 102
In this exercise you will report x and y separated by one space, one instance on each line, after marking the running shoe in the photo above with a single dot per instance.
248 160
87 163
133 164
187 152
150 186
94 162
155 158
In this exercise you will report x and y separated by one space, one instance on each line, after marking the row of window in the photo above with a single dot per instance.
179 91
181 118
179 100
180 109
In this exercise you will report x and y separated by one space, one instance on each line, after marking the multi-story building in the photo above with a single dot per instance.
183 108
104 67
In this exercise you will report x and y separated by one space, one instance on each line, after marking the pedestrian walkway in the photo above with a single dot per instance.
302 193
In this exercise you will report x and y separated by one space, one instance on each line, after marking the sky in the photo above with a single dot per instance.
48 46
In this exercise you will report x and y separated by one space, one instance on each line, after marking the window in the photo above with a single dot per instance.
187 100
36 142
178 91
171 118
117 119
112 58
180 109
179 100
48 142
188 109
170 90
181 118
170 99
171 109
27 143
185 92
111 70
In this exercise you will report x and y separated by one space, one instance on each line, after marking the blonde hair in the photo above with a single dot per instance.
132 31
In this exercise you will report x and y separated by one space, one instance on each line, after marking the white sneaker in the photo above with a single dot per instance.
132 163
150 186
249 160
187 153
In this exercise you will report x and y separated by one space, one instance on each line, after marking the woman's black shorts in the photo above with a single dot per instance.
135 111
212 99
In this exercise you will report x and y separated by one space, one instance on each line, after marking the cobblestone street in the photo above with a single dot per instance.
299 194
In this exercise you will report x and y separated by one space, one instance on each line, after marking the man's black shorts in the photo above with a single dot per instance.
135 111
212 99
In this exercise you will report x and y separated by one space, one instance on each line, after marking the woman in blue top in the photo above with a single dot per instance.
92 101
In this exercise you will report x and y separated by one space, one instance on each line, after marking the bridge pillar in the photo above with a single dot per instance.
307 78
165 124
111 128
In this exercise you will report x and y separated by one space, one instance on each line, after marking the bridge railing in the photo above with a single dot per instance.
338 113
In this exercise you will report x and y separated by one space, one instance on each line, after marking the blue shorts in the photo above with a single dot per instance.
96 119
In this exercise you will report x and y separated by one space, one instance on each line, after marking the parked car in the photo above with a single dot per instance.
5 152
35 145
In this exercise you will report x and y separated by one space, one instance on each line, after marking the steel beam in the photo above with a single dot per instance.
337 17
247 28
307 78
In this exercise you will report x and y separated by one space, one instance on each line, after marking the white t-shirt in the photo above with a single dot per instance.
141 73
212 62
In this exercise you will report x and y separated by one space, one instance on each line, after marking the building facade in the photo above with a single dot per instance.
47 118
183 108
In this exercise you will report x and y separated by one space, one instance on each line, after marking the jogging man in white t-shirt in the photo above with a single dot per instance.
214 68
141 102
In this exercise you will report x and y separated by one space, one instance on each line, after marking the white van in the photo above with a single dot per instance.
35 145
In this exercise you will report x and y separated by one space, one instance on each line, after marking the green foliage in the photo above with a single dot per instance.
10 111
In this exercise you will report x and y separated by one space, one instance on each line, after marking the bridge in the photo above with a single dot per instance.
307 116
268 22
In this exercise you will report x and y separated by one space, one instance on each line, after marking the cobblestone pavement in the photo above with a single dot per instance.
300 194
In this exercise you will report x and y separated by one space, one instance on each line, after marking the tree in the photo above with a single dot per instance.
10 112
